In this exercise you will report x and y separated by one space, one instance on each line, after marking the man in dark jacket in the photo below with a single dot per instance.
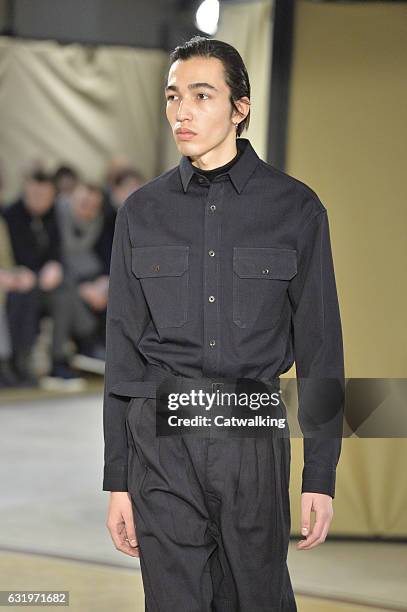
36 245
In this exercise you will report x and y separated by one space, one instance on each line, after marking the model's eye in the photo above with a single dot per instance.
169 97
203 94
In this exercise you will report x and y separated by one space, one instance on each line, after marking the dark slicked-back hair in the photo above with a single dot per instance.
236 76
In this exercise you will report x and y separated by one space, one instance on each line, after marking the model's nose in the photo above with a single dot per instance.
184 111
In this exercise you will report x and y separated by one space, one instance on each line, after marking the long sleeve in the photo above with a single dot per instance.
126 318
318 353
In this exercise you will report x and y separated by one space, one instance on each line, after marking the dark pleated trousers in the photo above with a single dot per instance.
212 517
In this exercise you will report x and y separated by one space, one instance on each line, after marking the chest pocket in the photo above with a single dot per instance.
164 275
261 277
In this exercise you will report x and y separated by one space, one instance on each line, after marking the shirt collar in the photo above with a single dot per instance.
239 173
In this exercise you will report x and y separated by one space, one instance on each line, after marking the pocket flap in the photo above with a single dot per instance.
134 388
171 260
265 262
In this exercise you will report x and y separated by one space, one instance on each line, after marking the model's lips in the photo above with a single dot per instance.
184 134
184 131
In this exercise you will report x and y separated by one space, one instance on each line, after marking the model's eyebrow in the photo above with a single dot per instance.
192 86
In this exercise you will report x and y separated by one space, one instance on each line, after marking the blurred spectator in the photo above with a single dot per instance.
9 279
114 168
1 187
35 242
86 225
65 179
32 166
124 183
116 173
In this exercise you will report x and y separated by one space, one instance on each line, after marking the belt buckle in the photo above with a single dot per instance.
217 386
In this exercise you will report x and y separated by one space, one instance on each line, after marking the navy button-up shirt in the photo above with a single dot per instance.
231 278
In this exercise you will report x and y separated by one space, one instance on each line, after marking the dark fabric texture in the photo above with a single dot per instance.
233 278
211 174
212 518
35 240
68 312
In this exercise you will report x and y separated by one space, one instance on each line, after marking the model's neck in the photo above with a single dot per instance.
215 158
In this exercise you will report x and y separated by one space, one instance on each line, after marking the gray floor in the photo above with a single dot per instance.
365 572
52 503
51 480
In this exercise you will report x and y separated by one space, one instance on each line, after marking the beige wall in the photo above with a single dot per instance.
67 103
347 139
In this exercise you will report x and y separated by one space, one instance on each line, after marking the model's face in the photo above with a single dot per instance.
198 99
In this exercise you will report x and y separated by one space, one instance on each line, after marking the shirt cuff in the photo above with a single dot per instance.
321 482
115 478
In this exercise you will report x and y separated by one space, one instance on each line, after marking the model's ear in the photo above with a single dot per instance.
243 104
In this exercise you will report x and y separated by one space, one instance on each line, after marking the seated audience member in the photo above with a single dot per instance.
1 187
9 279
65 179
124 183
115 166
35 243
86 225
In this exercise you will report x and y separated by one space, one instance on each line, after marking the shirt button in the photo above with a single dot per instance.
213 207
212 342
211 298
211 253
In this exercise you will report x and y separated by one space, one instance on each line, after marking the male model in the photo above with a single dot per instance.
221 277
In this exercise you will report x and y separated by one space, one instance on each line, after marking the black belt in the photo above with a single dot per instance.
156 376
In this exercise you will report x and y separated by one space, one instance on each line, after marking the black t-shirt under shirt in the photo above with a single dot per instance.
211 174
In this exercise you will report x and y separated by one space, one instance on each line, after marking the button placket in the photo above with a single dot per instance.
211 246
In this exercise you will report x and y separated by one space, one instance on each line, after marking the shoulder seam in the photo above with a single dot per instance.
303 186
317 214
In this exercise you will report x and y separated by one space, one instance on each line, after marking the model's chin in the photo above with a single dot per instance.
184 143
187 147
